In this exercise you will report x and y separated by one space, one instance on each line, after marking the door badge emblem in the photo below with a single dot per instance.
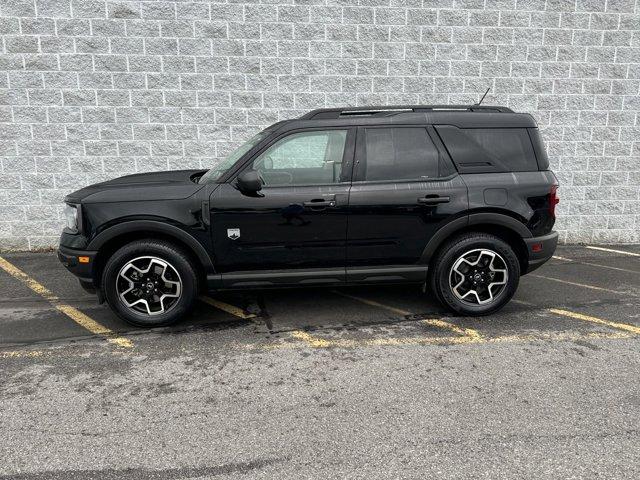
233 233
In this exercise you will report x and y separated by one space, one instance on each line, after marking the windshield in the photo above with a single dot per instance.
217 171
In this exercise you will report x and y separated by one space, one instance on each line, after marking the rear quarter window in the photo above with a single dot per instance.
486 150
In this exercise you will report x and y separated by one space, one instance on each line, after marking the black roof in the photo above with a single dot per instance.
463 116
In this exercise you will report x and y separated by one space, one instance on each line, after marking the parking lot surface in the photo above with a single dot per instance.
367 382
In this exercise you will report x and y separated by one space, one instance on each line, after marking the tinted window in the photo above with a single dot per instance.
509 147
489 149
399 154
303 158
538 146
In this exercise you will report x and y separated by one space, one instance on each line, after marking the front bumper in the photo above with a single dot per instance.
84 270
540 249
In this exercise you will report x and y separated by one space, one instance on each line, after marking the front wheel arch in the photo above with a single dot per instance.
112 239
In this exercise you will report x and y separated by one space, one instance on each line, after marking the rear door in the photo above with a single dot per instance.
404 189
294 230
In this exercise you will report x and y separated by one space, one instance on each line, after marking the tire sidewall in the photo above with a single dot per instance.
166 252
449 257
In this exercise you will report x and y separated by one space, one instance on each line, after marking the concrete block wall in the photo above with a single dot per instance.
94 89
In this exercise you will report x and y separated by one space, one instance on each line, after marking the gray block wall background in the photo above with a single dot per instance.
94 89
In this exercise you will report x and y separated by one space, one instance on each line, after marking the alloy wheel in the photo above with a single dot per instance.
478 276
149 285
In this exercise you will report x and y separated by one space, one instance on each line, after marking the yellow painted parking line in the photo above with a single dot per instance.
73 313
225 307
315 342
398 341
576 284
21 354
468 332
608 267
588 318
611 250
310 340
559 337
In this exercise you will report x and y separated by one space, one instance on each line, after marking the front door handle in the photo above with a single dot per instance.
319 203
433 200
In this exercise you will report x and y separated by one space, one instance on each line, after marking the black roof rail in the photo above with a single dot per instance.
332 113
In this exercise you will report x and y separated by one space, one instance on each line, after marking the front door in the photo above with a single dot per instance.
404 189
294 230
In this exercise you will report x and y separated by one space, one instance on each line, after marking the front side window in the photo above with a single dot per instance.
220 169
305 158
399 153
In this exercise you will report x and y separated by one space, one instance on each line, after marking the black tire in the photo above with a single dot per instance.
181 270
470 245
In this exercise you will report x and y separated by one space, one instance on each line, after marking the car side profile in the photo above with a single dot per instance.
457 198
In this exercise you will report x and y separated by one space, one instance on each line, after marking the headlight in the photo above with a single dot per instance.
71 217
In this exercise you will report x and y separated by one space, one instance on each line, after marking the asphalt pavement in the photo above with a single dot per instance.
366 382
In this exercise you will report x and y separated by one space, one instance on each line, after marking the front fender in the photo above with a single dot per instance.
151 226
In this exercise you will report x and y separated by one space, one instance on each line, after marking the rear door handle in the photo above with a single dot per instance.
433 200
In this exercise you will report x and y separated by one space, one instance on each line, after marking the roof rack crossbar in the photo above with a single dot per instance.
332 113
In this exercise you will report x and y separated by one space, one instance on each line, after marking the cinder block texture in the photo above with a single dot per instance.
94 89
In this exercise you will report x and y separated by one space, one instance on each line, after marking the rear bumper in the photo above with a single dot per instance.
540 249
70 258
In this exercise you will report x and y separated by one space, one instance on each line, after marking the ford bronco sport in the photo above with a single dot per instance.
459 198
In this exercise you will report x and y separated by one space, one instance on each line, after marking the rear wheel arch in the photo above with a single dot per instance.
508 229
110 240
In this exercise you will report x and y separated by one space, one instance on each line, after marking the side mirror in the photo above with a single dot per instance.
249 182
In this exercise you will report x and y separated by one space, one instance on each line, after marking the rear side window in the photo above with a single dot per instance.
479 150
399 154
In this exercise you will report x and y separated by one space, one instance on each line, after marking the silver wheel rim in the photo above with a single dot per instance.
478 276
149 285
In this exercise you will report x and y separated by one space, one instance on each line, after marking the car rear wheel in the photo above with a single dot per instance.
475 274
150 283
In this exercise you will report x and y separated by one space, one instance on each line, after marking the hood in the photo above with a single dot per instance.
169 185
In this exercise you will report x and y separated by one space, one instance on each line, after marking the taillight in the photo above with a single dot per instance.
553 200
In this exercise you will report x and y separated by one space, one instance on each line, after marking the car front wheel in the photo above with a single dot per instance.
150 283
475 274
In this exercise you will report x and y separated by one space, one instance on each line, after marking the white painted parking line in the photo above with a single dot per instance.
583 285
608 267
611 250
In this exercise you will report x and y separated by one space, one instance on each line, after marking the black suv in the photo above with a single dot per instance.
457 197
